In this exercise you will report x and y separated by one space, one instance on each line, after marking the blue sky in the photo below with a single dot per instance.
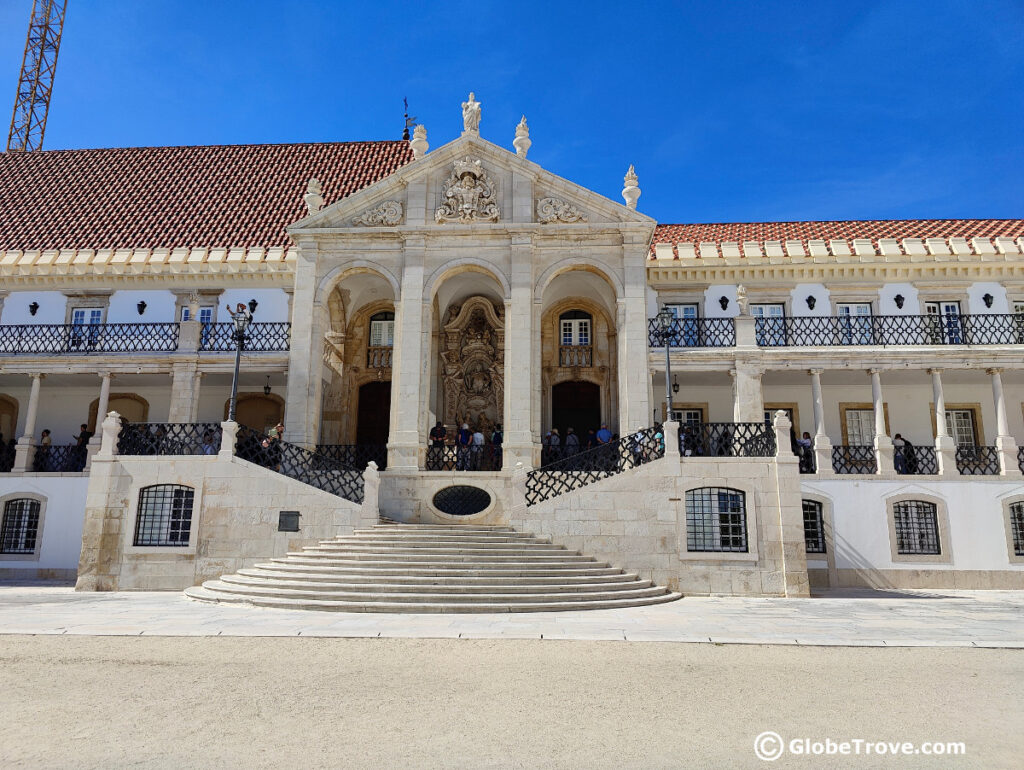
731 111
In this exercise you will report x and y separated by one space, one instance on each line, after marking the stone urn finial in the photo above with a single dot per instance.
631 188
314 200
419 142
522 141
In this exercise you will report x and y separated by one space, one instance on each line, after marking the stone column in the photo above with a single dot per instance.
101 411
408 364
634 372
747 397
945 449
184 393
882 442
305 355
25 450
822 443
519 345
1006 446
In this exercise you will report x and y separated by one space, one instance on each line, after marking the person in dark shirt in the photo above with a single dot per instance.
437 435
463 440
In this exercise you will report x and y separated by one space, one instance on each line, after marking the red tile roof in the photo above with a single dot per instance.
839 230
165 197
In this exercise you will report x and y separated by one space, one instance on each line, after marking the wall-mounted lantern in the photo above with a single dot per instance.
675 384
33 308
266 388
141 307
899 299
988 299
723 301
811 302
252 305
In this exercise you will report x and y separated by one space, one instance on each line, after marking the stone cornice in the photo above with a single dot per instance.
141 363
895 358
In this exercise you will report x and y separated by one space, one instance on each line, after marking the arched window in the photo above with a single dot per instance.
19 528
575 328
382 330
165 515
814 526
1017 527
716 520
917 527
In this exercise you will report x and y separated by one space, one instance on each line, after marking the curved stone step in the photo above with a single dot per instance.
453 558
361 578
508 550
400 587
501 570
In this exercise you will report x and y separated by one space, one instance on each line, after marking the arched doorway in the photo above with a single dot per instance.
8 417
131 406
374 414
257 411
576 404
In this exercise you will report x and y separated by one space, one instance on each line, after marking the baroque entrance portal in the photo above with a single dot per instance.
473 365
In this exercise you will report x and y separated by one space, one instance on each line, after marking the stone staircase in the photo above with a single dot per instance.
395 567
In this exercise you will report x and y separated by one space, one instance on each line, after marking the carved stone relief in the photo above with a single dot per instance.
473 365
387 214
557 210
467 195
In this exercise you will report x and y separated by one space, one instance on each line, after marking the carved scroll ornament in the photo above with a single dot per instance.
557 210
387 214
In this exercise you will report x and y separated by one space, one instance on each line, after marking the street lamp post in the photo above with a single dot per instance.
241 317
665 321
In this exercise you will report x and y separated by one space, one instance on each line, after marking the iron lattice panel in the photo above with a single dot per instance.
832 331
851 458
977 460
169 438
716 520
299 464
461 500
354 457
454 458
694 333
917 527
20 526
579 470
260 337
727 439
814 526
63 458
1017 527
83 339
915 460
575 355
165 515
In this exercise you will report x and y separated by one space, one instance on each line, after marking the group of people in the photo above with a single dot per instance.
554 447
49 459
472 449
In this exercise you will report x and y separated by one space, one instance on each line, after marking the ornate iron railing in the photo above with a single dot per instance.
260 337
169 438
84 339
354 457
585 468
851 458
64 458
378 357
575 355
915 460
299 464
1020 458
694 333
830 331
454 458
727 439
977 460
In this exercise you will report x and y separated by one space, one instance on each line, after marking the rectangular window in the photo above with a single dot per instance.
165 515
382 334
860 427
1018 322
771 324
1017 527
944 322
854 322
716 520
688 417
769 416
575 332
205 314
814 527
687 329
917 527
960 425
20 526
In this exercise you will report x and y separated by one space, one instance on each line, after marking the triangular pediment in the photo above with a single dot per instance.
522 193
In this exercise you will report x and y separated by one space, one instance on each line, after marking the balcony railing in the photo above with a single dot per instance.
169 438
454 458
915 460
727 439
575 355
260 337
843 331
355 457
694 333
850 458
83 339
378 357
65 458
977 460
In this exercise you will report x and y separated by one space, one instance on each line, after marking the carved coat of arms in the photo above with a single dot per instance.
467 195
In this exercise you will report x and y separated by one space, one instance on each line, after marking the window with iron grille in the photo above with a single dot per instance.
814 527
165 515
917 527
1017 527
716 520
20 526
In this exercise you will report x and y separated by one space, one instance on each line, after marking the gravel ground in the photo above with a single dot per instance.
287 702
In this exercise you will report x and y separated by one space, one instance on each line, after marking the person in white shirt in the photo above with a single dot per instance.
477 448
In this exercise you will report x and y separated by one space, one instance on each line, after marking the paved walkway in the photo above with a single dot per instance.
843 618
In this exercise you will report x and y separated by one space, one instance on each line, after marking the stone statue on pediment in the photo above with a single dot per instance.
471 115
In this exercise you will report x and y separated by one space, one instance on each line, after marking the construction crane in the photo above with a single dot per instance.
38 65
